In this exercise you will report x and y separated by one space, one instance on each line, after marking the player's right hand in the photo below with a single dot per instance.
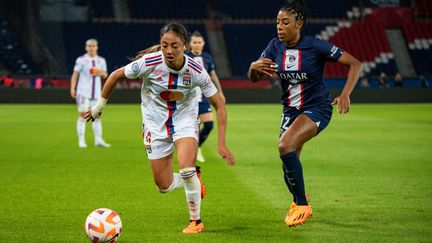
226 154
96 111
73 93
92 114
264 66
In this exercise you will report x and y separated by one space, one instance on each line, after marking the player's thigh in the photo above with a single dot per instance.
162 171
205 117
187 148
204 107
83 104
301 130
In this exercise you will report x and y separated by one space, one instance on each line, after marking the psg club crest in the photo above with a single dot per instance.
292 60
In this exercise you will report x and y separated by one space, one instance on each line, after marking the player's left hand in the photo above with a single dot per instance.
342 103
226 154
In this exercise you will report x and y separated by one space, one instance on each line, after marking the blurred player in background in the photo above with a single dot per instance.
299 60
88 71
170 110
204 111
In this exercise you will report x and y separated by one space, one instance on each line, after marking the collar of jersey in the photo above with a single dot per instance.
88 56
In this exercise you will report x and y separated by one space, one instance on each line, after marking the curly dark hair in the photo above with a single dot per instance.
296 7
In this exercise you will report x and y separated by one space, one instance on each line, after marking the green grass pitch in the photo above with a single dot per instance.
369 175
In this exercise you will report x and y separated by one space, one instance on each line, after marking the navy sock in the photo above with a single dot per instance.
205 131
287 182
293 174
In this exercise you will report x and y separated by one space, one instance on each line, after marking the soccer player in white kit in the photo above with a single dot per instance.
88 71
170 114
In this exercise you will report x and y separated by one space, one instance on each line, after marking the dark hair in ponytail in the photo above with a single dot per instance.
180 31
296 7
151 49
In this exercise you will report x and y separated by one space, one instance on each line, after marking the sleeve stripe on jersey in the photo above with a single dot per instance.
154 57
195 66
154 62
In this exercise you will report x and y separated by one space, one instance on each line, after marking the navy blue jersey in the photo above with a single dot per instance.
301 70
204 59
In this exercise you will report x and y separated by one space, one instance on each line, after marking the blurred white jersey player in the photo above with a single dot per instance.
86 87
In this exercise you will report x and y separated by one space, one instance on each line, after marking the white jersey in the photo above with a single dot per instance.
89 85
168 97
200 61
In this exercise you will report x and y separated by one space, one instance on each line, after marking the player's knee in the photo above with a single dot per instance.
163 187
286 147
208 126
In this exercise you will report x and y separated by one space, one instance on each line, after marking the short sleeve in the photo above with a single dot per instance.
206 85
329 51
211 65
104 65
78 65
269 51
135 69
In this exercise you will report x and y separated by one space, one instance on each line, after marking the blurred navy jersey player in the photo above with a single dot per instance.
298 61
205 113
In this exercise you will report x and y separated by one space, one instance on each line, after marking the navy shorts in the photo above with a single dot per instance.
320 114
204 106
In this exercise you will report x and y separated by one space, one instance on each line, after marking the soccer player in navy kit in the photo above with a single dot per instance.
298 61
204 111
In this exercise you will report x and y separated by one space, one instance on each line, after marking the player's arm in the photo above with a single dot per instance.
107 90
355 67
221 114
216 82
73 83
261 67
102 74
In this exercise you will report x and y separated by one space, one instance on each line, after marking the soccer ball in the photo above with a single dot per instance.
103 225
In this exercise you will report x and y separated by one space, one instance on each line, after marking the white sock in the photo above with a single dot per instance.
97 129
193 191
81 125
176 183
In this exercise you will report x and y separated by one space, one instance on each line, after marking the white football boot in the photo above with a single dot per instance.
101 143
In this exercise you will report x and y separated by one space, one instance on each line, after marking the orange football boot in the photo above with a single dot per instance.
203 189
194 228
293 207
300 215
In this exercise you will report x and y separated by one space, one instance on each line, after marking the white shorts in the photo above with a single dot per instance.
84 103
161 147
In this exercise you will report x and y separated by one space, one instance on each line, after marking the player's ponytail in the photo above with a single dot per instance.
151 49
296 7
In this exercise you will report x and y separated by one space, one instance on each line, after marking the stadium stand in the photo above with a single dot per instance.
419 39
247 27
242 9
424 8
180 9
117 41
365 41
330 8
102 8
12 54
